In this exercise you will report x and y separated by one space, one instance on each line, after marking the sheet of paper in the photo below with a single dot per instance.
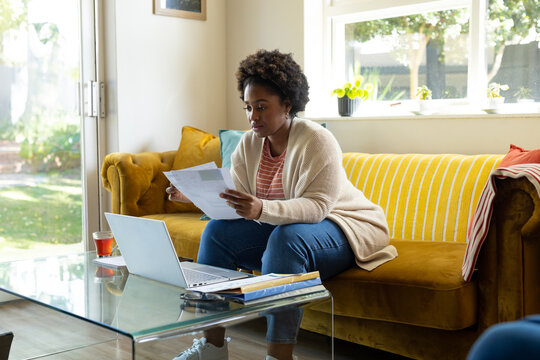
202 185
114 261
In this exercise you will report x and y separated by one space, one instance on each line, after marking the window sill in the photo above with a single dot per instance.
408 111
424 117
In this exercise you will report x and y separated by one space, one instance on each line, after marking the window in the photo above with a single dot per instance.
398 54
455 48
513 47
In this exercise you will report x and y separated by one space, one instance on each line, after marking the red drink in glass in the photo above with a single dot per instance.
103 272
104 242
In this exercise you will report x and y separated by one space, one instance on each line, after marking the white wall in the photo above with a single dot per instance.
170 73
259 24
473 134
173 72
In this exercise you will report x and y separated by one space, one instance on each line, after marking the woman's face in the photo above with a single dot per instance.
266 113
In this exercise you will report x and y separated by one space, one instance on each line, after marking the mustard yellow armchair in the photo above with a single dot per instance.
138 185
136 181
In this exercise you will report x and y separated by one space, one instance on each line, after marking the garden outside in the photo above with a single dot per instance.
40 212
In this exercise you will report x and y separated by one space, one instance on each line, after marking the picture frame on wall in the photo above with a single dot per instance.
189 9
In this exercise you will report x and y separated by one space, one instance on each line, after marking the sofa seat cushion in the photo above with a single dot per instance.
185 230
423 286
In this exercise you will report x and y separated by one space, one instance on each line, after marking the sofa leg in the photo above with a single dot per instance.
5 344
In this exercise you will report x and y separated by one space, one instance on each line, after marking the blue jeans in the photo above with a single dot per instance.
286 249
511 340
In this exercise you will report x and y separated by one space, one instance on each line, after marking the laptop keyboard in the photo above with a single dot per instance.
194 277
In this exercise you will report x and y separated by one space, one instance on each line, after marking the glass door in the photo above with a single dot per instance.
48 148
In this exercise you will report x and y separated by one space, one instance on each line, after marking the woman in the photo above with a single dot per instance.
289 177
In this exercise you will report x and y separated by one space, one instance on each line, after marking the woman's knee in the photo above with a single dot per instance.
241 242
212 230
212 248
308 247
285 251
214 226
286 239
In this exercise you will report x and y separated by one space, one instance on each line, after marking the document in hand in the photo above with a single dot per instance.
202 185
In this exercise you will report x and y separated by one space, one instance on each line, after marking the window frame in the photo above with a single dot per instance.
327 19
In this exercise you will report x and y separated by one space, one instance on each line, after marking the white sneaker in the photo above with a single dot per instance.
270 357
202 350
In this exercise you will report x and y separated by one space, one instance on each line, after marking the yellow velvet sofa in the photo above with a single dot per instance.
417 305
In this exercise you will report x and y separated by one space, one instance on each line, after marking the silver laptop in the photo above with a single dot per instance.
148 251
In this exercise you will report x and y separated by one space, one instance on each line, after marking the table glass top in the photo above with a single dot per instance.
138 307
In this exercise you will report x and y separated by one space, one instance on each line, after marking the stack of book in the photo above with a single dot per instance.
275 286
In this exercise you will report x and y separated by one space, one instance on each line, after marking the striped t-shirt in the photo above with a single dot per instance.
269 185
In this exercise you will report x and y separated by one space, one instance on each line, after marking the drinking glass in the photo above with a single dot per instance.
104 242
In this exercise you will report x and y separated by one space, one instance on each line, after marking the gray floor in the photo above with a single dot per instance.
315 346
75 339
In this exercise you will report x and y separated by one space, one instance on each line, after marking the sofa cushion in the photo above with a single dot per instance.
423 286
229 140
517 155
196 147
185 229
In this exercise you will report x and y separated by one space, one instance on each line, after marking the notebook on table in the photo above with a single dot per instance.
148 251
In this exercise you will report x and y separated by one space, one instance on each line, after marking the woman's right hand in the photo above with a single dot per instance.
176 195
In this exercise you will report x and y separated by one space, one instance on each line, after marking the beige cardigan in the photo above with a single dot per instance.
316 187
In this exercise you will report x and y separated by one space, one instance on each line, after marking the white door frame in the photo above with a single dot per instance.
93 132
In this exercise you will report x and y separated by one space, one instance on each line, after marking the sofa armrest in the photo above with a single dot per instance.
136 181
508 265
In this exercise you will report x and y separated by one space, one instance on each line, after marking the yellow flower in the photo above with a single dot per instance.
354 91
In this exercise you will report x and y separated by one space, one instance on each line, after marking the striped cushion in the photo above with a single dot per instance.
425 197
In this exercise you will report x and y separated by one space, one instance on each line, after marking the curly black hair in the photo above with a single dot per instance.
278 71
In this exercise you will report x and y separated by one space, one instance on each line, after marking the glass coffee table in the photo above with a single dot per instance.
130 307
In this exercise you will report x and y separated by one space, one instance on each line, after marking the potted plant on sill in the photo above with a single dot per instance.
423 93
495 100
525 99
524 95
349 97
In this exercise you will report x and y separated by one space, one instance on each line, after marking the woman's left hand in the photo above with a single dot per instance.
246 205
